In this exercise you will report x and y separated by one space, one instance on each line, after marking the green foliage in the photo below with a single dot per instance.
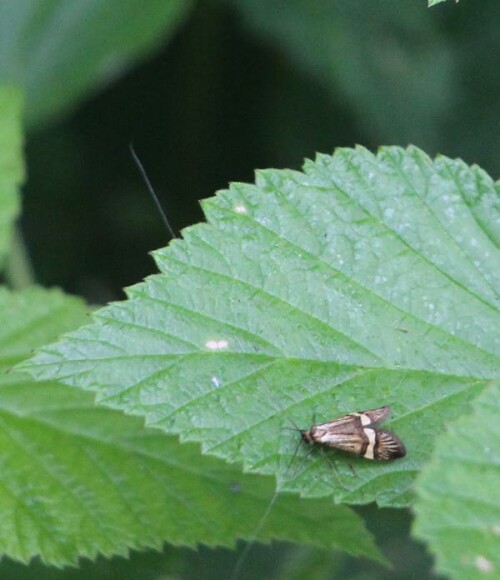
309 294
11 164
78 480
458 507
60 51
364 280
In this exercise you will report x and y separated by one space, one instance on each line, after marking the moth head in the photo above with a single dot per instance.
306 436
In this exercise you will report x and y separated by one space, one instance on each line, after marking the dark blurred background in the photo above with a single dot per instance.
246 85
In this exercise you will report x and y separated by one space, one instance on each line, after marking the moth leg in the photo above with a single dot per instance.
352 469
296 471
299 443
331 463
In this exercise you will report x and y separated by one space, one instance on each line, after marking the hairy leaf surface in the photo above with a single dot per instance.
365 280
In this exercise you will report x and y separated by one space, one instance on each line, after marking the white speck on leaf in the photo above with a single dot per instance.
216 344
240 209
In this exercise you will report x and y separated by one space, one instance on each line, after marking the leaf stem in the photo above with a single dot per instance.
18 269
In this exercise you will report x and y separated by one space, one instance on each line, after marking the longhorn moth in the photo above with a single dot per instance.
357 434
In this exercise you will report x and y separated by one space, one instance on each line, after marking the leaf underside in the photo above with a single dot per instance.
458 507
77 480
365 280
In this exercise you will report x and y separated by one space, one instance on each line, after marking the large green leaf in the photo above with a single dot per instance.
458 508
59 51
363 281
78 480
11 164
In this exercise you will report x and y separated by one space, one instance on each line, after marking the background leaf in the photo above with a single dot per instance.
11 164
59 51
78 480
367 55
364 281
458 507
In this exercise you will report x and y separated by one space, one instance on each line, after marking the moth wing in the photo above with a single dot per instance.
350 442
376 415
346 423
352 421
388 446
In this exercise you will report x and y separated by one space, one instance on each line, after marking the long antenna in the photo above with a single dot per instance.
263 520
151 191
249 545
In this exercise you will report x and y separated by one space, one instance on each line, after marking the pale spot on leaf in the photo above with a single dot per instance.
216 344
484 565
